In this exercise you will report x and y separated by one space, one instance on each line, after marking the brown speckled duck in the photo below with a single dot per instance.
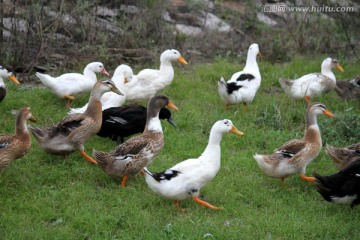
296 154
4 73
349 90
136 153
14 146
344 156
75 129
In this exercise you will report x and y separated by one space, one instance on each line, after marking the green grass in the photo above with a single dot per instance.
49 197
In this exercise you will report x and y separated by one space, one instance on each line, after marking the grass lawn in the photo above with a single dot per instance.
49 197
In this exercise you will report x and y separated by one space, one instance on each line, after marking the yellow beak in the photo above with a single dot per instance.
259 54
171 105
328 113
236 131
182 60
339 67
13 78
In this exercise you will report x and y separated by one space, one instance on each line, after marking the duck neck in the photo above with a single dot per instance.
21 128
312 130
326 70
94 109
153 124
213 147
167 69
251 63
90 74
2 82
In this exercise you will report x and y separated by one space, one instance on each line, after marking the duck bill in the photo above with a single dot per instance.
236 131
259 54
105 72
172 122
171 105
13 78
182 60
340 68
328 113
126 80
33 119
117 91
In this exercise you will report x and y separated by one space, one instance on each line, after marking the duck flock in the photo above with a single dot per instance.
106 115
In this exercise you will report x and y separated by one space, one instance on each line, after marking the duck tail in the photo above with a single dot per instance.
102 158
46 79
285 84
222 87
330 150
78 110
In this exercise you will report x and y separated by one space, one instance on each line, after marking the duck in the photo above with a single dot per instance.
243 85
342 187
130 157
70 134
120 122
314 84
348 90
343 156
186 178
148 82
15 146
4 73
71 85
123 74
294 156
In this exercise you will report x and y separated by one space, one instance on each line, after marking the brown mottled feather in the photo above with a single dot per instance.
342 157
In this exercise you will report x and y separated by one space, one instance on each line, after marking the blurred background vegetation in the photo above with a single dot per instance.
53 35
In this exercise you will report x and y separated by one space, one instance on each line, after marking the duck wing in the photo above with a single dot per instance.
5 141
292 148
133 146
73 121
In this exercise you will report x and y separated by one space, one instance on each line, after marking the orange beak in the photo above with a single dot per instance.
236 131
171 105
32 119
340 68
182 60
328 113
13 78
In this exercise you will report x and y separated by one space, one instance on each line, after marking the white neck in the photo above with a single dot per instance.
90 74
154 124
251 64
213 147
167 69
326 70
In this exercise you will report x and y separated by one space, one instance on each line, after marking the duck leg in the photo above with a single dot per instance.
309 179
176 203
70 100
307 99
123 182
227 107
206 204
87 157
244 107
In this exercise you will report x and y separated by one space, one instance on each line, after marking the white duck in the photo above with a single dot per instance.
70 85
4 73
123 74
313 84
186 178
243 85
148 82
